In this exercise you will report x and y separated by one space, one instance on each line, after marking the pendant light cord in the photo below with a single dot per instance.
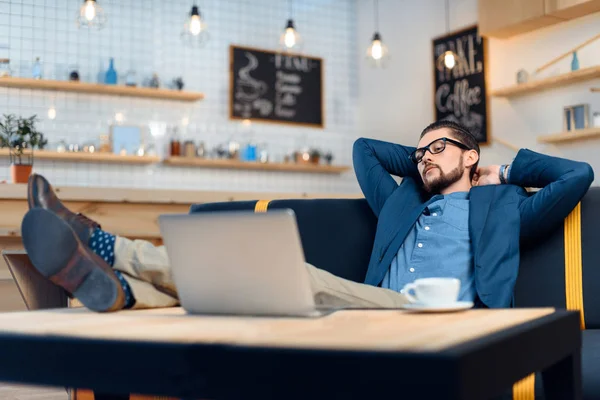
291 4
376 14
447 16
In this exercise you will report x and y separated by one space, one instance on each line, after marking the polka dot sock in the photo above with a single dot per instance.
103 244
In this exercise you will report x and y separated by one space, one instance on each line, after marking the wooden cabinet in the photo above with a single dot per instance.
506 18
569 9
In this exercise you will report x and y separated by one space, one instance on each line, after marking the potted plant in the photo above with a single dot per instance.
315 156
21 137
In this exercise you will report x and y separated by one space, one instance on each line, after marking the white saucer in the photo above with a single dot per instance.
434 308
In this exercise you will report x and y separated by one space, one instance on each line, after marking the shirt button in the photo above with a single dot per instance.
420 245
412 270
434 214
426 228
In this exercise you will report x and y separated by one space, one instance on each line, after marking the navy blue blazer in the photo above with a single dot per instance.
501 217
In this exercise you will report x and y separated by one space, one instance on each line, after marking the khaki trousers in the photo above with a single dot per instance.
146 269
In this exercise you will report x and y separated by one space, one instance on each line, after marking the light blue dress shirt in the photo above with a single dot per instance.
438 245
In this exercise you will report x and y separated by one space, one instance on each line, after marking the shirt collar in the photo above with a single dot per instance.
453 195
458 196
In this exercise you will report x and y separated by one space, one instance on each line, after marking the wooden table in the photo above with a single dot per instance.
363 354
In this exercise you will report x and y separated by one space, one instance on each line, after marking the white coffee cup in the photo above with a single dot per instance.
433 291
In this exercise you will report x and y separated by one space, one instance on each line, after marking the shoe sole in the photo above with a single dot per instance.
43 233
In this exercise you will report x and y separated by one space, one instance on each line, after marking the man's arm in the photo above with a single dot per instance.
563 182
375 162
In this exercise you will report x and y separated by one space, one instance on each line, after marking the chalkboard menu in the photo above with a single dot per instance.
276 87
460 93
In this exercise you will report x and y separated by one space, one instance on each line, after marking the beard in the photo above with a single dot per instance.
443 180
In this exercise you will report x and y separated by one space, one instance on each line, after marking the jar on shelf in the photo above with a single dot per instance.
105 144
5 67
189 149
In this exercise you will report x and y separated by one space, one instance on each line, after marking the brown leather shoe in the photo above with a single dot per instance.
41 195
57 253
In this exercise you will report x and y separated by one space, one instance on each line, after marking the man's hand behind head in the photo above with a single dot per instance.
487 176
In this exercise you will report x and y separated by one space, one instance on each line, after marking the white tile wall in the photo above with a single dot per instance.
144 35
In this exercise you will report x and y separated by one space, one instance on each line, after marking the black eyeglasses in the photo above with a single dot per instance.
435 147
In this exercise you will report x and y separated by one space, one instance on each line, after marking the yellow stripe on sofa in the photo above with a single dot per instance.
525 388
261 206
573 263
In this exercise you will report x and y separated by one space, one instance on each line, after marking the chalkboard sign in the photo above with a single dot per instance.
460 93
276 87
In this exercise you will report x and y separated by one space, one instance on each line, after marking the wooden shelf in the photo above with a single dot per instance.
595 89
88 157
82 87
232 164
180 161
579 134
547 83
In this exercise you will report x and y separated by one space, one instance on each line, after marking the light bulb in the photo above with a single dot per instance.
52 113
290 38
91 15
119 117
195 32
376 50
195 25
90 10
449 60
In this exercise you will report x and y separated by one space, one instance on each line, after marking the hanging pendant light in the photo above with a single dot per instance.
448 59
377 53
91 15
290 39
195 30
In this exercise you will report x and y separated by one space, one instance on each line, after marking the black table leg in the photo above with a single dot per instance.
563 379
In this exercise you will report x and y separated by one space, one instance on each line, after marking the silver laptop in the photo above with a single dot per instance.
238 262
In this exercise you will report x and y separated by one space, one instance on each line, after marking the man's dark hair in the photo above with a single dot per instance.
459 133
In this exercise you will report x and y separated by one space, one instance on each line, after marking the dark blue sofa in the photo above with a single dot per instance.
337 236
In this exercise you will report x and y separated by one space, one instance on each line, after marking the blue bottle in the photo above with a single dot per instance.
37 69
250 153
575 62
111 75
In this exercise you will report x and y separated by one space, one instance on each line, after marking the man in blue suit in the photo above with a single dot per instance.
451 218
448 218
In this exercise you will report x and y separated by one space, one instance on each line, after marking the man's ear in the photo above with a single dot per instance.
471 158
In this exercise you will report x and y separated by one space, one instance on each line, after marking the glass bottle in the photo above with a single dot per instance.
575 62
175 143
111 74
36 71
201 150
